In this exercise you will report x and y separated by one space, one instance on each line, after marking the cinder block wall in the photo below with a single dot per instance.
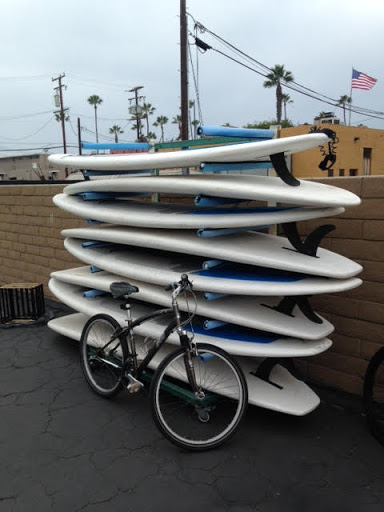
358 315
31 247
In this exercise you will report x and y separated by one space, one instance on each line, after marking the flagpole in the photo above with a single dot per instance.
350 105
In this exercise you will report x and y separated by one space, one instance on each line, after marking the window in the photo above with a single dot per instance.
367 153
353 172
341 172
330 173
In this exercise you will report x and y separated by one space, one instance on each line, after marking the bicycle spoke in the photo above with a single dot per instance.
205 417
102 355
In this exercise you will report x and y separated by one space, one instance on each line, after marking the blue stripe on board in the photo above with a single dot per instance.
229 271
119 145
240 211
235 333
259 167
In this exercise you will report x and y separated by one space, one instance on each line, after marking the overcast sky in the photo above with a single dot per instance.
106 48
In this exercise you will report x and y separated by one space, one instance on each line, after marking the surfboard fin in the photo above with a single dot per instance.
287 304
313 240
265 368
280 165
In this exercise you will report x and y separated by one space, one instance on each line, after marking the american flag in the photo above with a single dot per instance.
362 81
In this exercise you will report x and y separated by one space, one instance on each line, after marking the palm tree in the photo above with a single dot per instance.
161 121
95 100
59 116
147 111
177 120
115 130
286 99
343 100
277 75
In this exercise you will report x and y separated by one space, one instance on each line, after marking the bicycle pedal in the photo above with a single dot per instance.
134 386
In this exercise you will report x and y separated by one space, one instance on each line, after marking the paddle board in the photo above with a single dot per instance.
163 268
249 248
228 186
178 216
236 340
252 312
226 131
284 393
244 152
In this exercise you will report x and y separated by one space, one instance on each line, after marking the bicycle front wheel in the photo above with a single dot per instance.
374 395
102 355
205 417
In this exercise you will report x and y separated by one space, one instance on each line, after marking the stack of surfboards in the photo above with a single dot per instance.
252 287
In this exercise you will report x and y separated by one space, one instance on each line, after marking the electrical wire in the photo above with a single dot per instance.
31 134
263 70
23 116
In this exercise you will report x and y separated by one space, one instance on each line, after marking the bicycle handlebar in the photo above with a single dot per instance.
183 284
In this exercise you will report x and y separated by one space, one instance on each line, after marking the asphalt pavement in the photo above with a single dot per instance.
63 449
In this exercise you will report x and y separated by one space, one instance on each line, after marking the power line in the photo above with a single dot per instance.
23 116
31 134
265 70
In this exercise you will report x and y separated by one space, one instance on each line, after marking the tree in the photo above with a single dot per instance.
277 75
59 116
192 116
265 125
177 120
151 135
147 111
115 130
161 121
95 100
286 99
342 101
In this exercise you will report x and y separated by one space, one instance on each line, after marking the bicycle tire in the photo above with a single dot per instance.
103 369
193 423
373 395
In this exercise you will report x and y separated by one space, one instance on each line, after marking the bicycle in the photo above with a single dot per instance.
373 395
198 392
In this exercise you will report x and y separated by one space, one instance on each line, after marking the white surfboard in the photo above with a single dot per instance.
245 152
249 248
234 339
240 187
252 312
178 216
284 393
163 268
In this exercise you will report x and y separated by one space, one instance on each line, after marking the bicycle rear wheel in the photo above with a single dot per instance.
102 361
374 395
204 419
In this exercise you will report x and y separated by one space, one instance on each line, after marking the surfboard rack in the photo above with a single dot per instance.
280 166
311 243
287 304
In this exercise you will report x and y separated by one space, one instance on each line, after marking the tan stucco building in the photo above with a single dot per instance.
359 152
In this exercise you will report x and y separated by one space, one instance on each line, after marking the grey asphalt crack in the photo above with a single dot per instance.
65 449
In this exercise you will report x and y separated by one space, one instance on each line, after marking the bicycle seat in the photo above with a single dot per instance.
121 289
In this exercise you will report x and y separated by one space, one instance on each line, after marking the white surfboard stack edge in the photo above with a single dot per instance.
252 287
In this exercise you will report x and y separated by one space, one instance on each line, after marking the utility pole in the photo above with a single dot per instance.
79 135
60 103
184 69
136 109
